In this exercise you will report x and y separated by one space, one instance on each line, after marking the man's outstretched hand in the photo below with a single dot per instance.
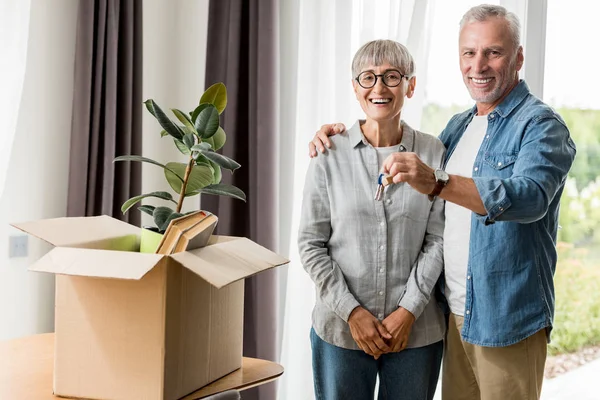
321 139
408 167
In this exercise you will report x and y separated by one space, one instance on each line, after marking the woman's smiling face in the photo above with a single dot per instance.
381 102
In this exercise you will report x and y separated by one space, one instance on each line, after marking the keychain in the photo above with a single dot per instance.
382 182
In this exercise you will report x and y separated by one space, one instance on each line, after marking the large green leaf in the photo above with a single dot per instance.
147 209
184 118
218 140
163 120
201 176
181 147
201 160
216 172
207 122
144 159
162 217
197 111
203 146
221 160
223 189
189 140
161 195
216 95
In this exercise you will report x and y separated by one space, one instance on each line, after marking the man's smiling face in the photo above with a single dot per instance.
489 61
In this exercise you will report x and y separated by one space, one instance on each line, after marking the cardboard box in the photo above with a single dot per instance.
143 326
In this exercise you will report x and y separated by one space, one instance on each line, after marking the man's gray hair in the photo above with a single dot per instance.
379 52
484 12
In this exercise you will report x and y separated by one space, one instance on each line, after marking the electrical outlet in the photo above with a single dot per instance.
17 246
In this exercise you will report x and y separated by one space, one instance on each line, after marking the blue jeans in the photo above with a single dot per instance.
342 374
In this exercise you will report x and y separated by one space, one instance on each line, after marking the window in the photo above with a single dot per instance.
445 92
572 88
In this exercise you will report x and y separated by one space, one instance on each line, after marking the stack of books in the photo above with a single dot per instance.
189 232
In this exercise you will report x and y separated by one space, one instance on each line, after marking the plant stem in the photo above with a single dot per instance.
188 171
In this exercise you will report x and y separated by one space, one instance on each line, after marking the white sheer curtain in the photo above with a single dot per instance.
321 37
14 34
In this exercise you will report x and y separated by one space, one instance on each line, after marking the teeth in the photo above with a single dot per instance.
380 101
481 80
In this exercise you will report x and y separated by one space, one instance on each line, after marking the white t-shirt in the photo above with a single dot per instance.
457 231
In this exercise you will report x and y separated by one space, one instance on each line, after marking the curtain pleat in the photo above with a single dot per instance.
242 53
107 109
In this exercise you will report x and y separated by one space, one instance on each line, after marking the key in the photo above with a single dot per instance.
379 192
382 182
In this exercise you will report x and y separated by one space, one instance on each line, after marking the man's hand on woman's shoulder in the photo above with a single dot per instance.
321 139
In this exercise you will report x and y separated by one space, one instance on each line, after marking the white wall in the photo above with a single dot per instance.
175 35
36 185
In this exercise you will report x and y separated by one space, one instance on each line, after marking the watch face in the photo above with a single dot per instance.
441 175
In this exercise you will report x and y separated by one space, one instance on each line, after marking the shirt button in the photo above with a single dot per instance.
380 316
468 276
381 247
468 312
487 137
476 168
499 164
501 209
381 269
388 201
382 223
381 293
492 116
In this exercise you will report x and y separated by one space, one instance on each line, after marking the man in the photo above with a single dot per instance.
507 162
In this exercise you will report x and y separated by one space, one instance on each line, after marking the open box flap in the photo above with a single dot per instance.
95 232
228 259
97 263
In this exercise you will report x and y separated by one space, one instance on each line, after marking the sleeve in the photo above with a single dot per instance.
313 234
539 172
425 272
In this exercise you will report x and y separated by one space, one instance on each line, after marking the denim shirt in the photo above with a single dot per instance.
520 172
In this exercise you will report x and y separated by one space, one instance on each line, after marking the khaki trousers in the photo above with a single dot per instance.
472 372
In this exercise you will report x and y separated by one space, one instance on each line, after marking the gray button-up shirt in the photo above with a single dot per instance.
376 254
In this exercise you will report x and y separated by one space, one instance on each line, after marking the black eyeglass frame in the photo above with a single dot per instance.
402 76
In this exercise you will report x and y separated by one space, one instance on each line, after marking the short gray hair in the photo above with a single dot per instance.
484 12
379 52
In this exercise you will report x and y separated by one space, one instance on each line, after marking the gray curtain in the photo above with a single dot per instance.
107 109
242 53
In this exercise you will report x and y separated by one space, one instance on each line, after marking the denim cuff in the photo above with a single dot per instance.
494 198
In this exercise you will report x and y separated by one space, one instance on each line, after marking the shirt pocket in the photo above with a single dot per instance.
500 164
415 206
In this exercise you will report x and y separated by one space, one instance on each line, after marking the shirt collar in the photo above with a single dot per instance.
510 102
408 136
514 98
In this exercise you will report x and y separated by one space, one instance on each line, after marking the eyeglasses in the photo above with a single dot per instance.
391 78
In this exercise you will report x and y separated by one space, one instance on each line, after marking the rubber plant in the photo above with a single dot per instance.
198 135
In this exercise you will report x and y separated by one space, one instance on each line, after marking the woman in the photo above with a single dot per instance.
374 262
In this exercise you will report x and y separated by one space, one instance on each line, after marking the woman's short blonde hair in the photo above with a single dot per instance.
379 52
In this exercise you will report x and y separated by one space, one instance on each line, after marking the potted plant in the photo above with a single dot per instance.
198 136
